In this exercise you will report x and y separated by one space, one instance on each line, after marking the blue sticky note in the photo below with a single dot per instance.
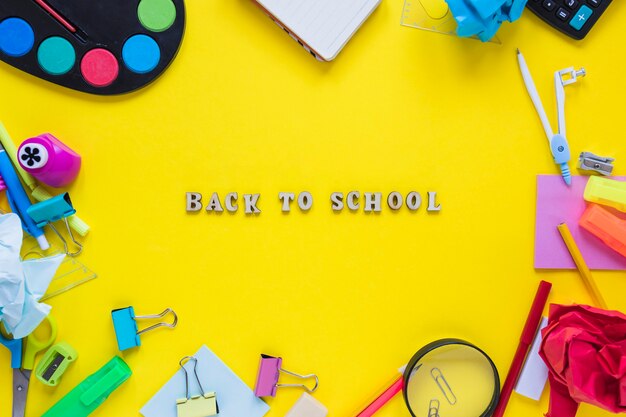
234 397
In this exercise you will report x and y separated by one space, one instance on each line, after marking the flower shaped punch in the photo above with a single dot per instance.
34 156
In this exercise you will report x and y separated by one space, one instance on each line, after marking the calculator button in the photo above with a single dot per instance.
549 5
562 14
571 3
580 17
594 3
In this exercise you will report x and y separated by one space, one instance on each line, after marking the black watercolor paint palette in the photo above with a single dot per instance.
101 47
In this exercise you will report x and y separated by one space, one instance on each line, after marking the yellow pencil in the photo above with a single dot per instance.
585 273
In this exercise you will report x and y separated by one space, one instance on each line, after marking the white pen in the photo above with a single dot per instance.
534 95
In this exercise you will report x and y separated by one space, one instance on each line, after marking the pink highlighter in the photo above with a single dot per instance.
382 398
49 160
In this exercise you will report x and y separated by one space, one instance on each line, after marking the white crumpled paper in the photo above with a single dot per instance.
22 283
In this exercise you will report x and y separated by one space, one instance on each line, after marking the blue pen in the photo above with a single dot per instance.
18 199
558 142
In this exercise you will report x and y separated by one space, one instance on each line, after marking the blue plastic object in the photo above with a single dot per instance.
125 328
141 54
561 153
20 203
15 347
51 210
16 37
581 17
483 18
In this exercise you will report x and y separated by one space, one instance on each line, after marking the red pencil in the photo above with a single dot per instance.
528 334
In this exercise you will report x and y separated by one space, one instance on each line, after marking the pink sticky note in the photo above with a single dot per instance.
558 203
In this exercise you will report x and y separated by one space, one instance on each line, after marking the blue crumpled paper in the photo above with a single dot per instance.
22 283
483 18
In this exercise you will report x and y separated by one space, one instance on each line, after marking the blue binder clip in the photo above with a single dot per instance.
52 210
126 330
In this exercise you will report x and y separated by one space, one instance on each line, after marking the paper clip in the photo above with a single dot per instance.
269 373
126 330
202 405
433 408
54 209
443 385
591 162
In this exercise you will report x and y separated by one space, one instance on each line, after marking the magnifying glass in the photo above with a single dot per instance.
446 378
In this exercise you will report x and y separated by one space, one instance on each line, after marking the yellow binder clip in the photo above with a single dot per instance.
201 405
607 192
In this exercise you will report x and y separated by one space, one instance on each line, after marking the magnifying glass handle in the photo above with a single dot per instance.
383 398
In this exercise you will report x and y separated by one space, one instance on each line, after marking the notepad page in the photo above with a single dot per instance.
325 25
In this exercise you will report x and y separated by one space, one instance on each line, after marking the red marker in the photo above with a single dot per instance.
528 334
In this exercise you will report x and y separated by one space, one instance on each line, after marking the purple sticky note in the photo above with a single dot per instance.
557 203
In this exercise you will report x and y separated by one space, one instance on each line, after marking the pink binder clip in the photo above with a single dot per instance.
269 373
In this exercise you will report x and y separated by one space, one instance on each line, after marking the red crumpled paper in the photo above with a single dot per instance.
585 351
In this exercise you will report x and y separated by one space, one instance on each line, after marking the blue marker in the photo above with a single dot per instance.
18 199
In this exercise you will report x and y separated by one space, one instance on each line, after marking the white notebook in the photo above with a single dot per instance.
322 27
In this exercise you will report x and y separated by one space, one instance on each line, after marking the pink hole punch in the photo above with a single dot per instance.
269 374
49 160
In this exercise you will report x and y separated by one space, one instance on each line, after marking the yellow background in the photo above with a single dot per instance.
348 296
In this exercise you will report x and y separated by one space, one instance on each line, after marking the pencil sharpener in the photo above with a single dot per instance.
54 363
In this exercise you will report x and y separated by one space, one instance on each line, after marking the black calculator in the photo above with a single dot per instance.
575 18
